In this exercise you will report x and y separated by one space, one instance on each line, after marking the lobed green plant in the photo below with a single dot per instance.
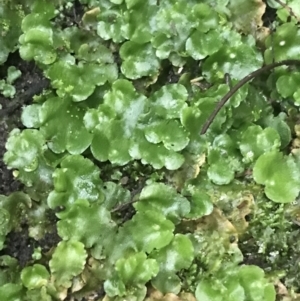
8 90
10 27
114 149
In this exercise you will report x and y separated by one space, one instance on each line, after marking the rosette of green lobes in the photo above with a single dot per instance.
87 47
169 104
61 123
110 23
280 175
174 23
76 179
25 152
11 208
10 27
89 223
119 129
236 57
138 60
158 209
203 103
154 154
68 261
279 124
139 22
114 123
205 17
199 45
176 256
255 141
136 268
246 283
24 149
171 133
283 44
35 276
130 276
38 37
201 203
79 80
156 232
206 39
169 101
288 86
162 136
12 292
164 199
224 160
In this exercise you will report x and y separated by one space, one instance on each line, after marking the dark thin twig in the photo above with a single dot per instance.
288 8
124 205
240 84
228 80
134 199
271 27
272 43
24 98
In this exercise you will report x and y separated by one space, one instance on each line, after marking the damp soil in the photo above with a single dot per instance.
18 244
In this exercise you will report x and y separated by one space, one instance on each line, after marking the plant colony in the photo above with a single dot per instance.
145 205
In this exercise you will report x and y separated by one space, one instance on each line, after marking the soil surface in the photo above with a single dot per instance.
19 244
29 84
32 82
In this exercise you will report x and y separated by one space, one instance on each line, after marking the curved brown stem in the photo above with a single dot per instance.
289 9
242 82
